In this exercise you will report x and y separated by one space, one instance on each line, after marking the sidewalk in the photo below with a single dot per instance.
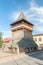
11 57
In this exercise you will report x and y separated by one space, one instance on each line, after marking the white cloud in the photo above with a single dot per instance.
13 16
36 15
36 12
40 29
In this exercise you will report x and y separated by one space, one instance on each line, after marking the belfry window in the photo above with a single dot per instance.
35 39
39 39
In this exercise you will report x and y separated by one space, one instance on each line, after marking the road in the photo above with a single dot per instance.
24 59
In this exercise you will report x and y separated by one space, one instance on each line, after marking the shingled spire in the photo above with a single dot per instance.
21 16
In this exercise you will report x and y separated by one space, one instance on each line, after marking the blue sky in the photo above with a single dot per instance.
10 9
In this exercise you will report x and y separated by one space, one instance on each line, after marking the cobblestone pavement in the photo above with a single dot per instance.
24 59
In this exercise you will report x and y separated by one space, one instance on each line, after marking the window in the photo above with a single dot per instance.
39 39
35 39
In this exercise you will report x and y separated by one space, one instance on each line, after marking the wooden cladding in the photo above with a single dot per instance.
20 23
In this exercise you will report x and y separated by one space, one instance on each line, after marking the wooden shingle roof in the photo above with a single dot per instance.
22 17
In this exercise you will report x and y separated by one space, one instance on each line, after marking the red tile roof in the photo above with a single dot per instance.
6 40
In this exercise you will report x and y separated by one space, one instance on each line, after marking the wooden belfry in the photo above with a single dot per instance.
22 39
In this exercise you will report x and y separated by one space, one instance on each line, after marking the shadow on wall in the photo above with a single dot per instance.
27 45
30 48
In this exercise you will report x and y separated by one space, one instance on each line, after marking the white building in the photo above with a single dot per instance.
39 41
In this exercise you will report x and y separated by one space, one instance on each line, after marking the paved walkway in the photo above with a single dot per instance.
23 59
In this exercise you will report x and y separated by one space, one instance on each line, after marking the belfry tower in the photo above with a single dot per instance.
22 39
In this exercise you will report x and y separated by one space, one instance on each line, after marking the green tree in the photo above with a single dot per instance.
0 35
1 40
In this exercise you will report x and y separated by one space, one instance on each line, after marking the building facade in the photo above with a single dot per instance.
22 39
39 41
